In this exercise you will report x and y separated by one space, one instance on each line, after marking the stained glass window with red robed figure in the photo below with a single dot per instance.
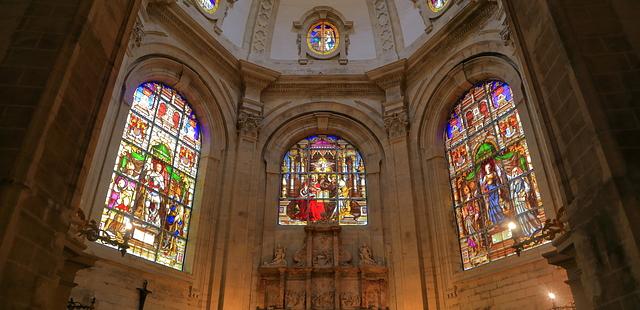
492 180
323 180
154 176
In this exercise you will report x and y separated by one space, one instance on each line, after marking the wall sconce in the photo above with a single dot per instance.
74 305
90 230
549 230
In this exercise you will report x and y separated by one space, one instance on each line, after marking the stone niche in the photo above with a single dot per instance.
322 275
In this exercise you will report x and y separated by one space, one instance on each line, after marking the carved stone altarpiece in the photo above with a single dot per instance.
322 276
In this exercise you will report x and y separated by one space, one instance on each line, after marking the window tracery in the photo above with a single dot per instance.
493 182
153 181
323 180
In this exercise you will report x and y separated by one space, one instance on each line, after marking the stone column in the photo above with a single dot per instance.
239 259
405 261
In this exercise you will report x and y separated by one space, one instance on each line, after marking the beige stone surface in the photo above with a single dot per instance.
68 70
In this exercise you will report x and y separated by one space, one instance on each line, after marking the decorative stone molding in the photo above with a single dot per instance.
262 27
391 78
255 79
343 26
383 26
137 35
348 85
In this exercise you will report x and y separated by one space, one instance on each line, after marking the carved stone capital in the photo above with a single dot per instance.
396 124
248 123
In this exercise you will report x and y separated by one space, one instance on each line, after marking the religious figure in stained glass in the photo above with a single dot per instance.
153 180
492 179
437 5
322 37
209 6
323 180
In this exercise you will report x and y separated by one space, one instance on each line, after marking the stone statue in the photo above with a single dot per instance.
366 257
279 258
300 257
322 259
345 257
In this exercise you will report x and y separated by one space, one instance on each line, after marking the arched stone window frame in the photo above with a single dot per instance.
314 15
430 137
213 141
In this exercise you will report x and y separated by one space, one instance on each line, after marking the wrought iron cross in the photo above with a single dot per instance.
143 294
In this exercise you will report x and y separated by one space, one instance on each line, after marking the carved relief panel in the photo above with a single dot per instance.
322 275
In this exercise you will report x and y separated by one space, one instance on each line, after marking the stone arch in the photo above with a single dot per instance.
436 98
208 101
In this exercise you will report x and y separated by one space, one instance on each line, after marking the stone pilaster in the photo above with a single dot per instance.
405 258
239 261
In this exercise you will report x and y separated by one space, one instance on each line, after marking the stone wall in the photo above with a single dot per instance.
583 62
54 72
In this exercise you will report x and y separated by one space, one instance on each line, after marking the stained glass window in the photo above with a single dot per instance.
492 179
152 185
323 37
437 5
209 6
323 180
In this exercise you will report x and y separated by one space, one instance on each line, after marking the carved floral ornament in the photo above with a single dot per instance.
323 34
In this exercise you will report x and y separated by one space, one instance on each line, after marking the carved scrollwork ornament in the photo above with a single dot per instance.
137 35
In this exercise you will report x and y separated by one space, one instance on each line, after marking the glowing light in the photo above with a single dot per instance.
551 295
512 226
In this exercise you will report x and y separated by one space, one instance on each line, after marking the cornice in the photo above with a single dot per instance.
319 84
256 74
389 75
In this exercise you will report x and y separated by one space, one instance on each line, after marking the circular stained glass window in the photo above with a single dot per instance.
209 6
323 38
437 5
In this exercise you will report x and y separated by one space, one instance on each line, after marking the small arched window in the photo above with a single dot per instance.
323 180
492 180
209 6
437 5
153 181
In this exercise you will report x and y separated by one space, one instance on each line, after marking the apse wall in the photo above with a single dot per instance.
410 21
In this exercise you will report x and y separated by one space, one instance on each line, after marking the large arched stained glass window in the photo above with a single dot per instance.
492 180
323 180
152 185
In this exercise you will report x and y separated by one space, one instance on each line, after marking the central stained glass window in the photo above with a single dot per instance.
323 37
323 180
209 6
492 179
154 176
